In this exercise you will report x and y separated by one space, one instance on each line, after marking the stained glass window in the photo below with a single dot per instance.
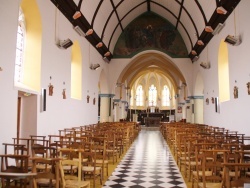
139 96
165 96
152 96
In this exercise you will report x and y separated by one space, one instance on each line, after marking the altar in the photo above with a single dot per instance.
151 118
152 121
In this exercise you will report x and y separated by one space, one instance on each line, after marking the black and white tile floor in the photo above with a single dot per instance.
148 163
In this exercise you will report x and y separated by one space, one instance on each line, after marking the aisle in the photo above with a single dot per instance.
148 163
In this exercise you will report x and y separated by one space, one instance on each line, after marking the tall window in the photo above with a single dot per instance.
223 71
165 96
152 96
139 96
20 47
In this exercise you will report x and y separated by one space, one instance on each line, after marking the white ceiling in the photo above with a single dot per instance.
108 18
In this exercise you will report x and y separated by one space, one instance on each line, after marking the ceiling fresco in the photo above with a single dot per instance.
150 32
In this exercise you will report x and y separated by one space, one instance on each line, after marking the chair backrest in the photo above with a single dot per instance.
239 180
14 163
70 175
43 151
50 171
211 162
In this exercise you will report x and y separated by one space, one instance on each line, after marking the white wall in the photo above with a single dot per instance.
8 95
234 114
60 113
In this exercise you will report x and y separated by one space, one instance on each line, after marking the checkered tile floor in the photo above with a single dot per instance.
148 163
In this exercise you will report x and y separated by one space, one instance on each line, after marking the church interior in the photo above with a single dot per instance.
142 93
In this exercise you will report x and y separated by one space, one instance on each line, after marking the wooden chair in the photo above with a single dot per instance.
197 174
190 161
112 147
90 167
72 177
15 164
210 163
49 176
100 148
239 180
17 149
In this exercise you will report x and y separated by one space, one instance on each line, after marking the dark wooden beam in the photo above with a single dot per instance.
213 22
148 6
116 13
179 16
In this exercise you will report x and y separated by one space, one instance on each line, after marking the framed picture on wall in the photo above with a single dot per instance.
179 109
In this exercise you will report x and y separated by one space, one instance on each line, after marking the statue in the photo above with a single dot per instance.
235 92
64 93
212 99
51 89
248 88
207 101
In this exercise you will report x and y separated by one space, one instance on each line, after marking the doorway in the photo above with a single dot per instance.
26 115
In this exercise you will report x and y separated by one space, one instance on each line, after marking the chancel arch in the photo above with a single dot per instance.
152 70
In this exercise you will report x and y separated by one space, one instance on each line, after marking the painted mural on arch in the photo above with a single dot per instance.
150 32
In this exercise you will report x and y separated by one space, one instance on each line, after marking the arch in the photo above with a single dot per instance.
33 45
76 71
223 72
151 62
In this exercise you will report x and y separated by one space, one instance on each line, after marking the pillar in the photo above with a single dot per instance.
116 110
106 107
197 109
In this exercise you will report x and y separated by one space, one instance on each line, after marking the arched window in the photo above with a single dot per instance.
76 71
152 96
139 96
165 96
20 47
223 71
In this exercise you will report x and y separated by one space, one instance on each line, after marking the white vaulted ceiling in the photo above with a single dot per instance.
108 18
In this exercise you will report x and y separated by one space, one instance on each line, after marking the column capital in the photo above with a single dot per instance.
196 97
107 95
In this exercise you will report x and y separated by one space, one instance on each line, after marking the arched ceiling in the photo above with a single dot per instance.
108 18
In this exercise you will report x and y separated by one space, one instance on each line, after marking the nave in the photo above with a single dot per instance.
147 163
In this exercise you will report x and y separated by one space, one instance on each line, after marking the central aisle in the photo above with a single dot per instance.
148 163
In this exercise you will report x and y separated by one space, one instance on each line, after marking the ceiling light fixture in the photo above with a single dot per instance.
193 52
221 10
107 54
64 44
195 58
200 42
106 59
76 15
209 29
99 45
79 31
218 28
89 32
94 66
232 40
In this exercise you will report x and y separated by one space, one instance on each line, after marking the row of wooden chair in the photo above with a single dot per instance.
101 142
205 153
